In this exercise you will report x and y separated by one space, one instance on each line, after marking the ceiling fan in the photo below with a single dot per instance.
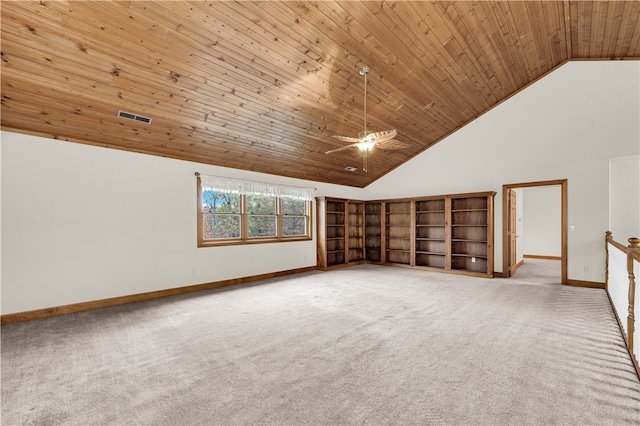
366 139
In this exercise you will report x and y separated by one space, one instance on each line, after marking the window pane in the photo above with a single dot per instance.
261 204
220 226
294 226
293 206
262 226
220 202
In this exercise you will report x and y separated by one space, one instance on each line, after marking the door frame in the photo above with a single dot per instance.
506 216
513 224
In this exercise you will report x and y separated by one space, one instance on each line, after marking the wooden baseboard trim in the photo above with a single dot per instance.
121 300
588 284
517 265
515 268
344 265
537 256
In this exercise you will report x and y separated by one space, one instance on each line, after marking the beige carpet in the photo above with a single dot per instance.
541 271
363 345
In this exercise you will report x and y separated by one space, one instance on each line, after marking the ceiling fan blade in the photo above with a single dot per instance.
391 144
343 148
346 138
383 136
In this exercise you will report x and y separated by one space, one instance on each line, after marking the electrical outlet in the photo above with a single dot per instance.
473 260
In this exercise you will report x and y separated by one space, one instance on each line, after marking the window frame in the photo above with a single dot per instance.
244 224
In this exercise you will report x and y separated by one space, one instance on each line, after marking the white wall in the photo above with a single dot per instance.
542 221
83 223
565 126
624 193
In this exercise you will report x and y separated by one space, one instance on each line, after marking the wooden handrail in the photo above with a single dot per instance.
609 239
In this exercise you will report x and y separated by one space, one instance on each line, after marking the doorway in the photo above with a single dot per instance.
509 225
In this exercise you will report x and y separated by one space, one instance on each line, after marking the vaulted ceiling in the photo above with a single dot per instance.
264 85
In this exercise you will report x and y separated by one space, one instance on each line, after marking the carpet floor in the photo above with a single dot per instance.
366 345
541 271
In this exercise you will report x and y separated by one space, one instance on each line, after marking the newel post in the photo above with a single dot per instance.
634 246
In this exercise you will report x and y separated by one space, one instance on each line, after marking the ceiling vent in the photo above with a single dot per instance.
350 169
134 117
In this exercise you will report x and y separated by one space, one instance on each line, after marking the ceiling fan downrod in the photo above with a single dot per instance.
364 72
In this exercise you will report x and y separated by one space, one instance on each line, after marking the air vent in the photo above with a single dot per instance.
351 169
134 117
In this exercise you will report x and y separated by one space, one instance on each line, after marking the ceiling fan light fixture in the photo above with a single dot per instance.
367 145
366 140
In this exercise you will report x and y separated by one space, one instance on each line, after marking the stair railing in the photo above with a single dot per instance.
622 268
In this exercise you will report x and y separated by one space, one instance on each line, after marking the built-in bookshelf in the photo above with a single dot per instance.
448 233
398 232
355 231
332 233
431 233
373 231
469 234
341 229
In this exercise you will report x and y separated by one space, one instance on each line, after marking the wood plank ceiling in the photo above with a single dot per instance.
264 85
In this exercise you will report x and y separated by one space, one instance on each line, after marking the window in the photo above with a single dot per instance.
232 211
294 217
262 216
220 215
